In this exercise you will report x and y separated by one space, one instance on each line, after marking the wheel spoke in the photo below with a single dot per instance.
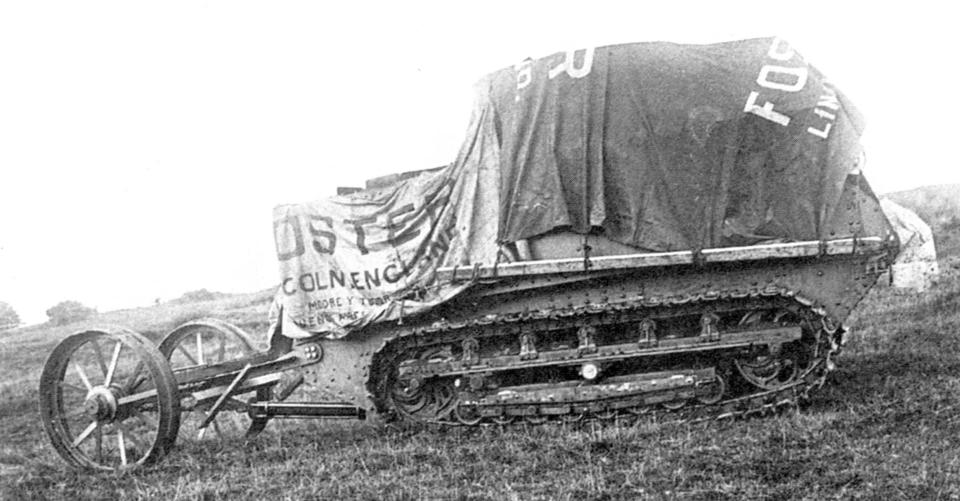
136 379
187 354
83 376
64 384
100 360
99 444
223 349
86 433
200 347
77 413
113 364
133 437
123 447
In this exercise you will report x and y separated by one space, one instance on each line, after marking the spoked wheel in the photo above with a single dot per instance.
108 400
207 342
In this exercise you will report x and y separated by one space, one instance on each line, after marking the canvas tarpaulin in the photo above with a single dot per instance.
916 265
665 146
347 261
656 145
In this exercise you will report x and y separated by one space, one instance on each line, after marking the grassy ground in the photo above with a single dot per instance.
887 426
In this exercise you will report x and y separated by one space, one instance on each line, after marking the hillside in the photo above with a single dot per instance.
939 206
884 426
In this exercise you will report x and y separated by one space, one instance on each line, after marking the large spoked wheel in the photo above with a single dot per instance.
108 400
208 342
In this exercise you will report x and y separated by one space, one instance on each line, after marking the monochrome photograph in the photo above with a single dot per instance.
491 250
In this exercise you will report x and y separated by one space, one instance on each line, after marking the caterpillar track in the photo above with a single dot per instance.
708 356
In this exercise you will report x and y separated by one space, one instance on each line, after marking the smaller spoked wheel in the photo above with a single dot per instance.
108 400
202 343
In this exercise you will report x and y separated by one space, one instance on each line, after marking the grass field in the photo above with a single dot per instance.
887 425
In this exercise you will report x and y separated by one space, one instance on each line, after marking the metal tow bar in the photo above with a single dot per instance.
343 410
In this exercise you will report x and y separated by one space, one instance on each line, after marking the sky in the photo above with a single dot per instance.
143 145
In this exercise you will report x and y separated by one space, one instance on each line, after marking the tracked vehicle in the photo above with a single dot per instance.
633 229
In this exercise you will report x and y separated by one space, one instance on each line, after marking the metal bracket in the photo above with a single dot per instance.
470 346
218 405
586 248
528 347
698 258
288 387
585 340
476 272
708 327
648 333
310 353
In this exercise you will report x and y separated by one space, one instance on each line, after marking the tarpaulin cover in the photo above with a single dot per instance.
668 146
350 260
658 146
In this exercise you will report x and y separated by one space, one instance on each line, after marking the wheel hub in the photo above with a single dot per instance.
101 404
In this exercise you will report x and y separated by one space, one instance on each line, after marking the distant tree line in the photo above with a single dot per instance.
67 312
8 317
198 296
